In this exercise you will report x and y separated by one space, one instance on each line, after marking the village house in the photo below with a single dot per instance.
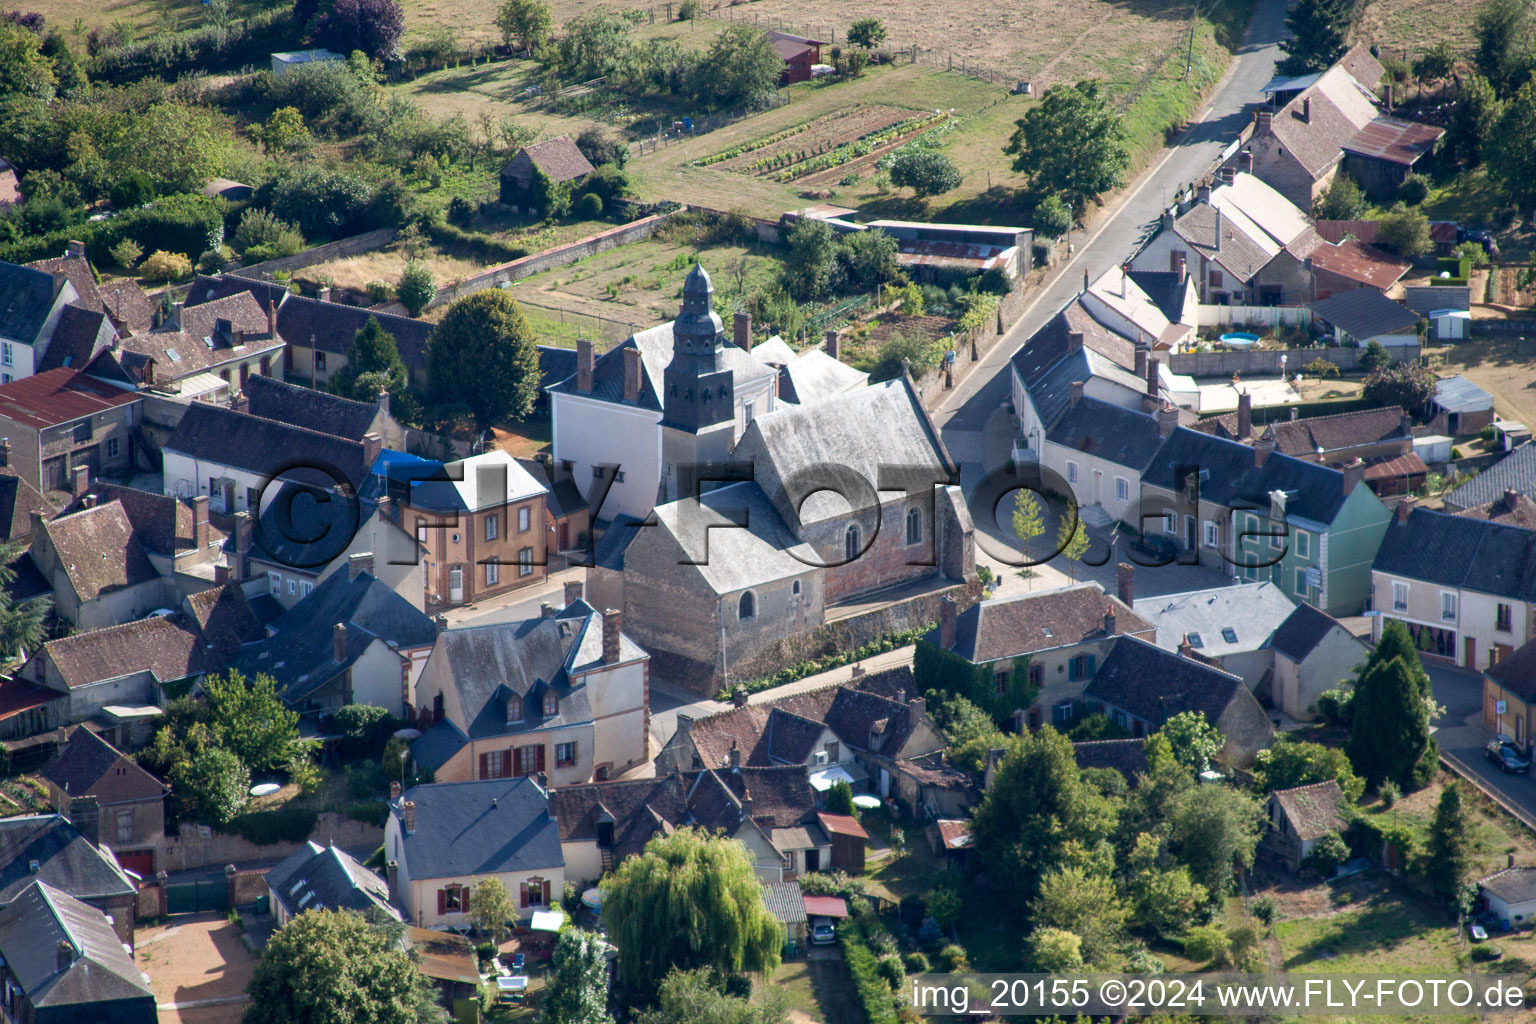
1510 894
1514 474
799 53
308 534
352 640
61 963
629 427
62 424
1061 635
1364 315
482 522
557 159
1301 816
566 694
1140 686
1313 652
1299 148
320 411
1513 509
771 809
67 855
1460 407
34 300
1128 757
130 802
1229 626
1160 308
443 839
232 339
1308 528
316 877
123 302
1465 588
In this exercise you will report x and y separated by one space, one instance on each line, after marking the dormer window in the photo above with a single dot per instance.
514 709
551 705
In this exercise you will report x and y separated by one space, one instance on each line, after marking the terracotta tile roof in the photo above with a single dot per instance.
123 299
1009 627
80 335
1359 262
1517 672
1242 250
99 550
1365 231
225 618
826 906
1394 140
444 955
558 157
842 825
56 397
1313 810
1513 509
162 523
18 500
88 764
1047 346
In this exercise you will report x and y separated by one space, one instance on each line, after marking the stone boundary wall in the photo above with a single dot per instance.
201 847
365 242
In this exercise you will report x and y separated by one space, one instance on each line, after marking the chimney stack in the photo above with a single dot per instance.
1076 394
242 545
339 643
1265 124
832 344
1203 192
271 319
373 444
175 317
1306 109
586 361
1217 211
611 623
392 878
1511 499
66 955
1244 415
739 697
733 759
1245 161
325 293
1405 426
85 815
386 506
80 480
1167 420
741 331
1226 174
632 374
1141 361
1125 583
1401 512
1186 649
1074 340
240 402
551 802
573 591
1109 622
1181 265
949 618
1264 447
359 563
220 575
547 610
1154 368
408 816
441 622
1354 473
381 400
200 522
75 249
394 791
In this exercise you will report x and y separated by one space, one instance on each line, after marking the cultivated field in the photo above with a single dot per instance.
1411 26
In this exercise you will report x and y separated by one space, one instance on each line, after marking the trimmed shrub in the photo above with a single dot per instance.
954 958
916 963
890 969
483 247
1206 943
166 266
284 825
1485 952
590 206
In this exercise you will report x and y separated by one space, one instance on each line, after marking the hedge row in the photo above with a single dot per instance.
837 659
483 247
264 828
168 55
187 224
864 969
369 812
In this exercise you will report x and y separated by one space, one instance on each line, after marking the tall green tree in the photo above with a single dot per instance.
1192 740
250 719
1434 64
1472 122
417 287
373 357
1512 161
1319 35
840 798
1084 903
490 908
1037 814
812 252
23 624
698 997
1028 519
1071 144
1407 230
1343 200
1450 843
576 991
1291 763
209 784
332 967
1213 829
1505 31
23 68
691 900
867 32
527 21
1072 539
482 357
740 66
925 172
1390 734
1051 217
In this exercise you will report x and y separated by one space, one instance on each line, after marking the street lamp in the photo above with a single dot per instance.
404 756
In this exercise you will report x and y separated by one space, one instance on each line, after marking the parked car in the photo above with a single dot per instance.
1159 546
823 933
1503 752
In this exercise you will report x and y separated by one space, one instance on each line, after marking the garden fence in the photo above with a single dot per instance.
588 325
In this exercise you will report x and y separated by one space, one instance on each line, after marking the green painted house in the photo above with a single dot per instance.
1256 513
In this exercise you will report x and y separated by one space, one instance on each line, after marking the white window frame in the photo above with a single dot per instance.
492 526
492 574
293 586
1122 489
1448 601
6 357
524 519
305 587
275 583
1303 543
1211 534
1171 523
1071 472
1399 604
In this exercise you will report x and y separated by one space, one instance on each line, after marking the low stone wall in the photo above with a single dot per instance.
365 242
970 350
1266 362
245 886
199 846
560 256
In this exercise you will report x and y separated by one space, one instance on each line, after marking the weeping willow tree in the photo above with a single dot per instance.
691 900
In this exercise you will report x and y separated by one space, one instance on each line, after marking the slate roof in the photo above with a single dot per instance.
300 651
66 860
1154 684
27 296
328 326
1302 631
555 364
655 345
491 826
1316 134
1458 394
315 877
314 410
1259 202
610 548
1007 627
1166 290
1338 432
99 550
1362 67
558 157
58 396
18 500
1251 611
1314 810
1365 313
163 524
80 335
863 431
33 928
124 301
1517 673
1128 756
88 764
169 647
1316 492
265 447
1126 437
1243 249
323 521
1514 472
1052 342
728 560
1455 551
1513 509
1512 885
814 376
1394 140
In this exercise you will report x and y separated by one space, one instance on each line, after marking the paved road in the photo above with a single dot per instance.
1118 232
1461 734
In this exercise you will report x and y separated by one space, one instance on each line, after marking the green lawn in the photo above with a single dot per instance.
1389 932
820 989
